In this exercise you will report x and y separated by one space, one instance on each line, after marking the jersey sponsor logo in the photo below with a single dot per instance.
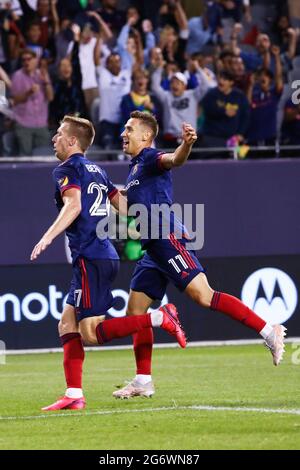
63 181
135 169
93 168
132 183
272 294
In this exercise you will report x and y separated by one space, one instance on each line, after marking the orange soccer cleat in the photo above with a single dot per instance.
171 323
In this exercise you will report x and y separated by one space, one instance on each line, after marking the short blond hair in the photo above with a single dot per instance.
82 129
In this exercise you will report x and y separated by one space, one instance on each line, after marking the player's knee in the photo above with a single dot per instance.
203 298
65 327
88 332
89 337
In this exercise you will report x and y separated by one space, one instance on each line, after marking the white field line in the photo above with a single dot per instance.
237 409
192 344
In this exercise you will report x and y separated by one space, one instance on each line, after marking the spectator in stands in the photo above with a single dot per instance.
11 38
144 34
113 17
225 59
33 36
4 39
202 60
31 92
167 14
89 56
47 17
204 29
149 10
179 104
241 77
149 40
129 43
287 37
139 98
234 9
169 70
173 44
63 39
263 57
264 13
226 113
114 82
68 94
294 13
254 60
264 98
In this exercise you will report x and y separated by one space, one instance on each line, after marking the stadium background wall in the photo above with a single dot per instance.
251 222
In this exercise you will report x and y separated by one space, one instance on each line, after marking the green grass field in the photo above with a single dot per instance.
237 378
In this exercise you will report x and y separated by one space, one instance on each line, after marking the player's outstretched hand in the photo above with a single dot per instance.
39 247
189 135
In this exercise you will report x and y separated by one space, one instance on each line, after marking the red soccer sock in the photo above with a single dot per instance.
236 309
143 345
120 327
73 359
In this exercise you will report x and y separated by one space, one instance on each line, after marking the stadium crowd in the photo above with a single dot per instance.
228 72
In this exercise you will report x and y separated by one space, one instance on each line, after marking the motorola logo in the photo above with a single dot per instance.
36 306
272 294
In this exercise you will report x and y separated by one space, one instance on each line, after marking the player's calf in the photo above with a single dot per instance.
166 318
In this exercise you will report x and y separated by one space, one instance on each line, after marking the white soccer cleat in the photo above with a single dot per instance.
135 389
275 342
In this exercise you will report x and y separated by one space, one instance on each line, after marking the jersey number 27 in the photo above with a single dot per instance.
98 209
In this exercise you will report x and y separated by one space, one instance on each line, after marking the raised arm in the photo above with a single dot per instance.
181 154
70 211
159 92
105 30
278 69
204 84
180 16
55 16
293 39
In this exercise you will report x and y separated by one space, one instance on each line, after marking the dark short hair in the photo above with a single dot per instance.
147 119
225 54
226 76
82 129
33 23
29 52
264 71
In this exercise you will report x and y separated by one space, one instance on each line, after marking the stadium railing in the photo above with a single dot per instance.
201 153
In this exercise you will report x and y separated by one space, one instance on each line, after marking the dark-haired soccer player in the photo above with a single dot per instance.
83 192
167 259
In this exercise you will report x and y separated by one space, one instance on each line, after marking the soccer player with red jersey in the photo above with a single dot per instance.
83 193
167 258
